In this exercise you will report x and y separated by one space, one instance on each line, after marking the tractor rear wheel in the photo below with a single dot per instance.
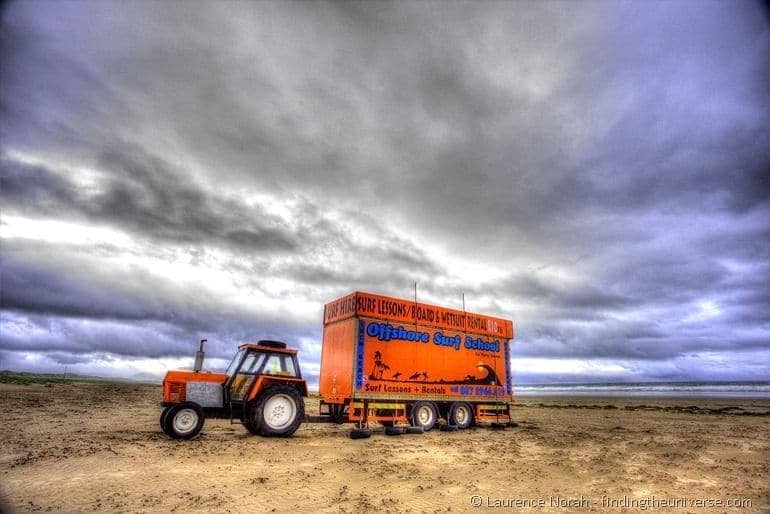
184 420
278 411
247 419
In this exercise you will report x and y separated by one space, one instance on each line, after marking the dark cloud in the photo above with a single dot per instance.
596 171
33 188
40 289
142 195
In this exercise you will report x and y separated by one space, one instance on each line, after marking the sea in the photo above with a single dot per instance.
759 389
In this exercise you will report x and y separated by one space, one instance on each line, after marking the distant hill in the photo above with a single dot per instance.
27 378
146 378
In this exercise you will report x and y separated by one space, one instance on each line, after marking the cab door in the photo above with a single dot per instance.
239 384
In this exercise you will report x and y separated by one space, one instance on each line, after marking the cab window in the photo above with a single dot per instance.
278 364
234 363
252 363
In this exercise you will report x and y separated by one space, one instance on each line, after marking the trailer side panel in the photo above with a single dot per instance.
396 360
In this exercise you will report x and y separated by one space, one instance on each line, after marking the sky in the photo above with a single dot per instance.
596 171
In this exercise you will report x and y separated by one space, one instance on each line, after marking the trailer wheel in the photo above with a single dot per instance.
360 433
278 411
183 421
424 414
461 414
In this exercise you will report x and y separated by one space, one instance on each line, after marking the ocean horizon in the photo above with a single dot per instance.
738 389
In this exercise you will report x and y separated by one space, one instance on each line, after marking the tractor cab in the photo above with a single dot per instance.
262 388
266 362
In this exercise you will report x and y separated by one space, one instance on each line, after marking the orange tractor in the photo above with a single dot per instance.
262 389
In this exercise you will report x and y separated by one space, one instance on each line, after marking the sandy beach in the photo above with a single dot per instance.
98 447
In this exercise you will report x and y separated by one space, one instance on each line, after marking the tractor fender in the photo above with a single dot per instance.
265 381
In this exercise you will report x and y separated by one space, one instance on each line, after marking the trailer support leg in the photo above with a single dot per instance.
364 421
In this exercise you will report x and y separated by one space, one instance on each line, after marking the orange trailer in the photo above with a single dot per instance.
399 361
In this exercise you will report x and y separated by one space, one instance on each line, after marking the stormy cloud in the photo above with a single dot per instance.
595 171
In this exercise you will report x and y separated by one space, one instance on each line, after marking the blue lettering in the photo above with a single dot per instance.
480 344
442 340
484 391
386 332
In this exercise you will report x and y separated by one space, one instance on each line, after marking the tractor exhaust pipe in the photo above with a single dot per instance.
199 357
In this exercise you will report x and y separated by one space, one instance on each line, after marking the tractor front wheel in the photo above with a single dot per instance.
163 417
183 421
278 411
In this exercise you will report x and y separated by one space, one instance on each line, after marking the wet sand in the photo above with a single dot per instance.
98 447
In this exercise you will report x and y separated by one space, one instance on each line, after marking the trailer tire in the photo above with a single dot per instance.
424 414
460 414
278 412
184 420
360 433
414 430
394 430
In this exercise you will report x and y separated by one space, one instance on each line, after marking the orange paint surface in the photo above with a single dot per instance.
336 380
407 311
